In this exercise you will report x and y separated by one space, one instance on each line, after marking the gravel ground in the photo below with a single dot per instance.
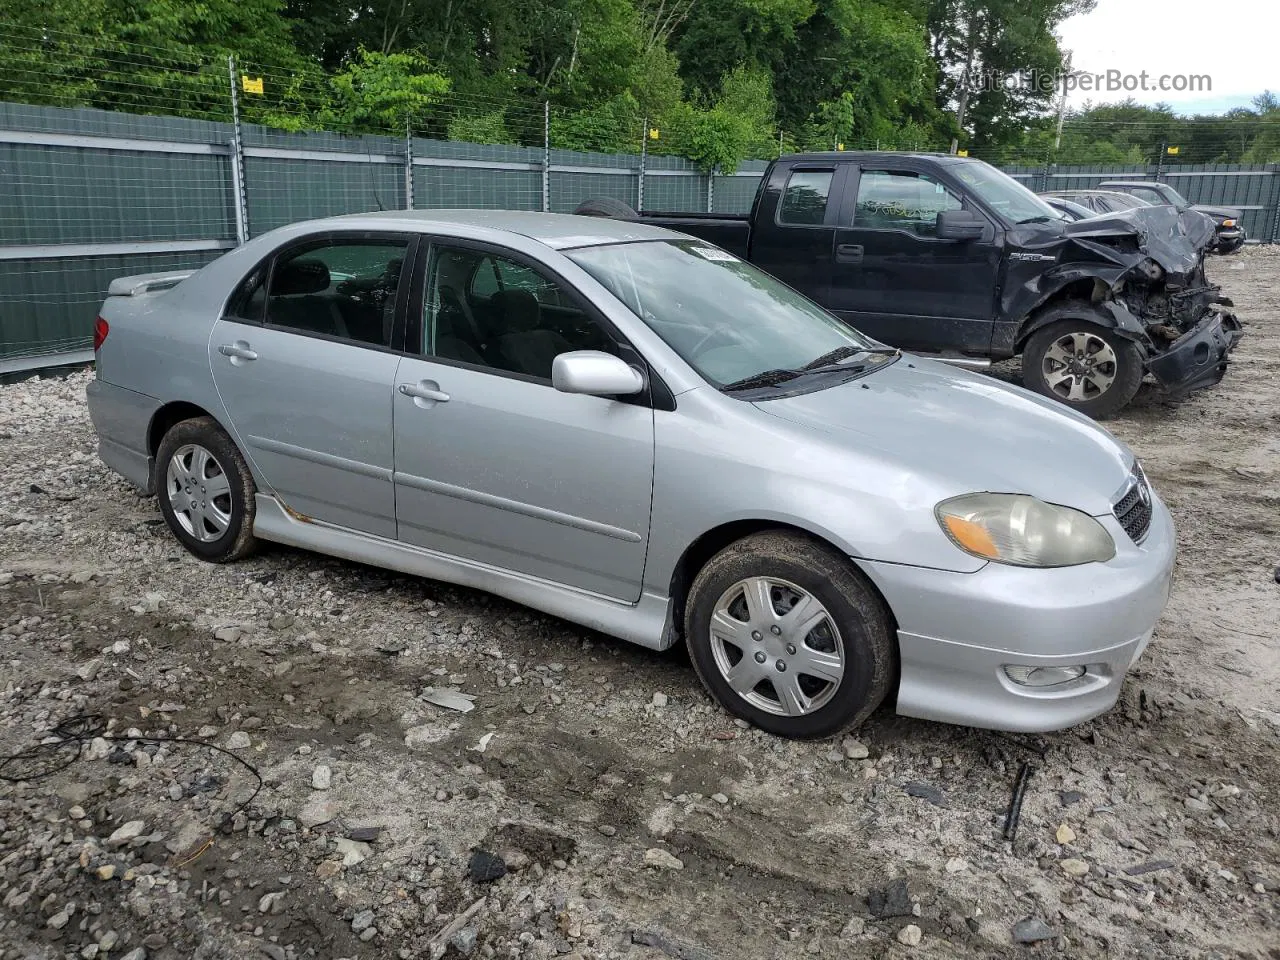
594 803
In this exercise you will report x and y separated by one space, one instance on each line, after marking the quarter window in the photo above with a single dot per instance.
491 311
343 289
900 200
804 201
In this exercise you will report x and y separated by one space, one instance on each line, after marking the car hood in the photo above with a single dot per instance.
967 433
1222 213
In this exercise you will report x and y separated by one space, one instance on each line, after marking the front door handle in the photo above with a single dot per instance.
238 351
848 253
424 390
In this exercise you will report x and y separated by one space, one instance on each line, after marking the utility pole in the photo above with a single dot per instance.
1062 105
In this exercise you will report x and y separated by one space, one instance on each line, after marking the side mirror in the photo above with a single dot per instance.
960 225
595 373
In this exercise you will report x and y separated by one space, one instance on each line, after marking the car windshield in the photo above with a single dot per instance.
728 320
1002 193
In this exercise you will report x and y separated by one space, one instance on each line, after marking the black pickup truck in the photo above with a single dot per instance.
948 256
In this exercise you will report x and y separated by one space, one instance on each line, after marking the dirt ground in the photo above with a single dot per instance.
633 818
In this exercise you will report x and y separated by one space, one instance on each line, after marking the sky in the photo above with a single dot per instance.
1235 42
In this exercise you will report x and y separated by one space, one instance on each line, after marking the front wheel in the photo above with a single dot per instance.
784 632
1084 365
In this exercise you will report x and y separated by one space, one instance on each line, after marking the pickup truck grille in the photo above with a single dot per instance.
1134 509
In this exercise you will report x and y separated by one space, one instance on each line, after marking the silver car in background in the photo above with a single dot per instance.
639 432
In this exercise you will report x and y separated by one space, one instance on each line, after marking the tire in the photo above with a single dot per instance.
850 632
1114 363
606 207
206 491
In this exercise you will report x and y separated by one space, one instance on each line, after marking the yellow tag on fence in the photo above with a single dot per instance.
653 133
962 153
1174 151
251 84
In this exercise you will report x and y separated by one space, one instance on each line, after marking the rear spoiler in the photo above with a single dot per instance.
142 283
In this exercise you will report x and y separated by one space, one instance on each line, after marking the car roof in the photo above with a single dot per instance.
559 231
1082 193
830 155
1130 183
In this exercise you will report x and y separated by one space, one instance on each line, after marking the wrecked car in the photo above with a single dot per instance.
948 257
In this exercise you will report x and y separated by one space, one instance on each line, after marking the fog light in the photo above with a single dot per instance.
1043 676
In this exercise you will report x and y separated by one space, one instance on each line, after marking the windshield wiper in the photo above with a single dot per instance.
1040 219
768 378
835 356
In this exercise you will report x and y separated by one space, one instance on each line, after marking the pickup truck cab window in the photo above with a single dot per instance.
804 200
901 200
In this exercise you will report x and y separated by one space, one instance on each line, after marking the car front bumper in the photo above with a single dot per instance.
957 632
1199 358
1232 238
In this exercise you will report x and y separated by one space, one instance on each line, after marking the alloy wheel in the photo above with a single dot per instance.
1079 367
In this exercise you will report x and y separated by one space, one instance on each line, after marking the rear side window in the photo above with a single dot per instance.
804 201
900 200
343 289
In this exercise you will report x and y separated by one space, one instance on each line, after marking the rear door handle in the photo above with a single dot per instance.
424 390
848 253
238 351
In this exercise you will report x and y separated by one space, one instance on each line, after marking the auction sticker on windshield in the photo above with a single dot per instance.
714 253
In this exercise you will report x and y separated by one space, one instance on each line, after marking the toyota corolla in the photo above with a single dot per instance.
639 432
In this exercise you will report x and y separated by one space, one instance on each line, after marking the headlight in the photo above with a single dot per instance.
1023 531
1228 223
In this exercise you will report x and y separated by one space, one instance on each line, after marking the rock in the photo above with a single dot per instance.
927 792
106 871
607 830
1068 797
352 851
1074 868
854 928
281 622
273 950
854 749
59 919
364 834
137 953
1032 930
659 700
362 921
321 778
270 902
485 867
661 860
175 792
464 941
123 835
316 812
1151 866
228 634
328 869
238 740
956 865
1065 835
910 935
424 735
1196 805
720 798
76 812
891 901
88 671
368 934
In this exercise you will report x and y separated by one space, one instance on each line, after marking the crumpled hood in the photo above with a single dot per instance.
968 433
1174 239
1222 213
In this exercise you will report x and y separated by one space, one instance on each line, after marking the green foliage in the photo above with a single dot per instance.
381 92
478 128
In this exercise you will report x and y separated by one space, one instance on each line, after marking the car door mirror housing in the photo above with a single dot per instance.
595 373
960 225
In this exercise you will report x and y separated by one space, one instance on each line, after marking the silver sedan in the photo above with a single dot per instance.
639 432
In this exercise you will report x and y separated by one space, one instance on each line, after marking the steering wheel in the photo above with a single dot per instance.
714 334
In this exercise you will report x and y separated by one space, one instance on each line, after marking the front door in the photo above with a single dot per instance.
303 364
492 463
797 225
896 281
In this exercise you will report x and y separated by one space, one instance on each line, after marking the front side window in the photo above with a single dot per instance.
804 201
493 311
900 200
727 319
343 289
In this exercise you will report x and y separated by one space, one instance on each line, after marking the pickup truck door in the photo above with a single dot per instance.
793 234
895 280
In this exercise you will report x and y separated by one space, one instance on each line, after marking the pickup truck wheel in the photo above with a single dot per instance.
1085 366
606 207
206 491
785 633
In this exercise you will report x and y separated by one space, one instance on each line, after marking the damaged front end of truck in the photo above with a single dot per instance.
1143 272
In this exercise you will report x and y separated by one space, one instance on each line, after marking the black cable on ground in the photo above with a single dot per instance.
47 758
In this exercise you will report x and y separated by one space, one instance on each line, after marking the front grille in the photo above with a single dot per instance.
1134 509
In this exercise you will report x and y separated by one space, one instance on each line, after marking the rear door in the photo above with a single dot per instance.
493 464
795 226
895 280
304 359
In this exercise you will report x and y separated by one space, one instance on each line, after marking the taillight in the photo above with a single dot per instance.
100 331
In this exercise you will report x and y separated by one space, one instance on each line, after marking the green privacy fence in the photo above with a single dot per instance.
90 195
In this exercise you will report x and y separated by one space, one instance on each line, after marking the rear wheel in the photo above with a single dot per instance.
1083 365
206 491
788 635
